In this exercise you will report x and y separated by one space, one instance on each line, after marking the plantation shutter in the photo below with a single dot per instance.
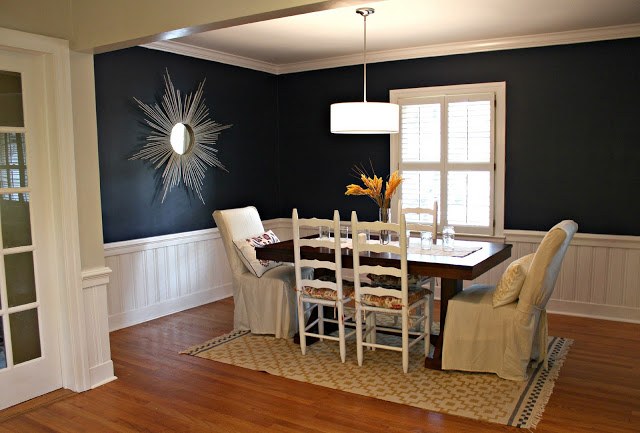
447 152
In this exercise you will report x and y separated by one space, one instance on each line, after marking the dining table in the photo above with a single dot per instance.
451 270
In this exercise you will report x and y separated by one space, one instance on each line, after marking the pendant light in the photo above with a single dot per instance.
364 117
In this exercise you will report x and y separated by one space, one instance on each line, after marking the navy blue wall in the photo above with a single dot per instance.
572 143
131 197
572 147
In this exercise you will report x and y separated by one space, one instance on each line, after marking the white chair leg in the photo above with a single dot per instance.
320 320
405 339
370 320
343 345
359 335
301 324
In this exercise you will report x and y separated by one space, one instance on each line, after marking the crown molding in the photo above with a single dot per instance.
212 55
497 44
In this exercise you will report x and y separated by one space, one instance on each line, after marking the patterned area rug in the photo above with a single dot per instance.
473 395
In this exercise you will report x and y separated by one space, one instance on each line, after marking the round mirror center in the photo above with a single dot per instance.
181 138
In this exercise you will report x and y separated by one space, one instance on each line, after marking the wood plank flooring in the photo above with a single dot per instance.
159 390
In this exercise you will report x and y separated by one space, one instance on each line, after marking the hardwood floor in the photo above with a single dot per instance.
159 390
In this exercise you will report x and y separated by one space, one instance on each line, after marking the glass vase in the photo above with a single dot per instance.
384 215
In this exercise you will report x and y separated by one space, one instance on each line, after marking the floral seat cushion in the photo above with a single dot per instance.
329 294
393 303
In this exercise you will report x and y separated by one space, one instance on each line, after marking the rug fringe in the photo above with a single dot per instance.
544 397
224 338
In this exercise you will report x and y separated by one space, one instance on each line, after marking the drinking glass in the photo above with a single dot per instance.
426 239
323 232
448 236
344 233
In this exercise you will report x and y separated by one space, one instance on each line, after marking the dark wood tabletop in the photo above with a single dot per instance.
460 268
452 270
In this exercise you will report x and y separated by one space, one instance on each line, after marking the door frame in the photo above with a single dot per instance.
59 142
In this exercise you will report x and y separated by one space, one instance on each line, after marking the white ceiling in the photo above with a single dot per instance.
335 36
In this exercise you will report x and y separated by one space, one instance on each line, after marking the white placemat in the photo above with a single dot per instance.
435 250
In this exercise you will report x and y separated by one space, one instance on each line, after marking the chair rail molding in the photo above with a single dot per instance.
156 276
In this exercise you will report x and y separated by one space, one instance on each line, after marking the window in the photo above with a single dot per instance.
13 169
450 148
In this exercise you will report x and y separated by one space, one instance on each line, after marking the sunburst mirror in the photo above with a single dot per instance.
181 139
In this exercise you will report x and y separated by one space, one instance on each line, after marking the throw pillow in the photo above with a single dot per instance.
247 250
510 284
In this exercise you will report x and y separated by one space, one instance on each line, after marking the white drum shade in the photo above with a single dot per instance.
364 118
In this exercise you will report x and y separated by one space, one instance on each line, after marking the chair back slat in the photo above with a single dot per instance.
319 284
380 270
376 247
315 222
316 264
317 243
380 291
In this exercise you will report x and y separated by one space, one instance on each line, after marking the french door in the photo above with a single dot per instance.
29 302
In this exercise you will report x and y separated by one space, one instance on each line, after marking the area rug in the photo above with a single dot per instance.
478 396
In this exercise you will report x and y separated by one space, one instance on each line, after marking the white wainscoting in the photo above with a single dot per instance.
157 276
153 277
600 275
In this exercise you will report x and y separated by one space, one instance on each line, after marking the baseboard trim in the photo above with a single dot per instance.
130 318
594 311
101 374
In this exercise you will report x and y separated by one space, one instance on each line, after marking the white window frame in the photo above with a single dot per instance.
498 89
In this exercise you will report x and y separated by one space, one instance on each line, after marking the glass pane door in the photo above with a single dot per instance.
19 331
29 343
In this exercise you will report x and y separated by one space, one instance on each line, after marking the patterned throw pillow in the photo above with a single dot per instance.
510 284
247 250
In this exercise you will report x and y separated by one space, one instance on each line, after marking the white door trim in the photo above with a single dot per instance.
60 145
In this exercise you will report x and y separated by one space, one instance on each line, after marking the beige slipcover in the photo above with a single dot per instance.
265 305
503 340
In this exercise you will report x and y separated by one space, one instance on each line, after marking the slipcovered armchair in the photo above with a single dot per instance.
502 329
265 304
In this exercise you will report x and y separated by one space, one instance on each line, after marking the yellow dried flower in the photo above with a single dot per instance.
392 185
374 186
356 190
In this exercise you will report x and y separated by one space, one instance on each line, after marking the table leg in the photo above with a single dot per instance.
448 289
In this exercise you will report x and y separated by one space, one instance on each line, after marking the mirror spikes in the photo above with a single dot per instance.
190 110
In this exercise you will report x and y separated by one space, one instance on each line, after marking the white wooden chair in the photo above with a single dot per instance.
422 219
399 301
315 293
